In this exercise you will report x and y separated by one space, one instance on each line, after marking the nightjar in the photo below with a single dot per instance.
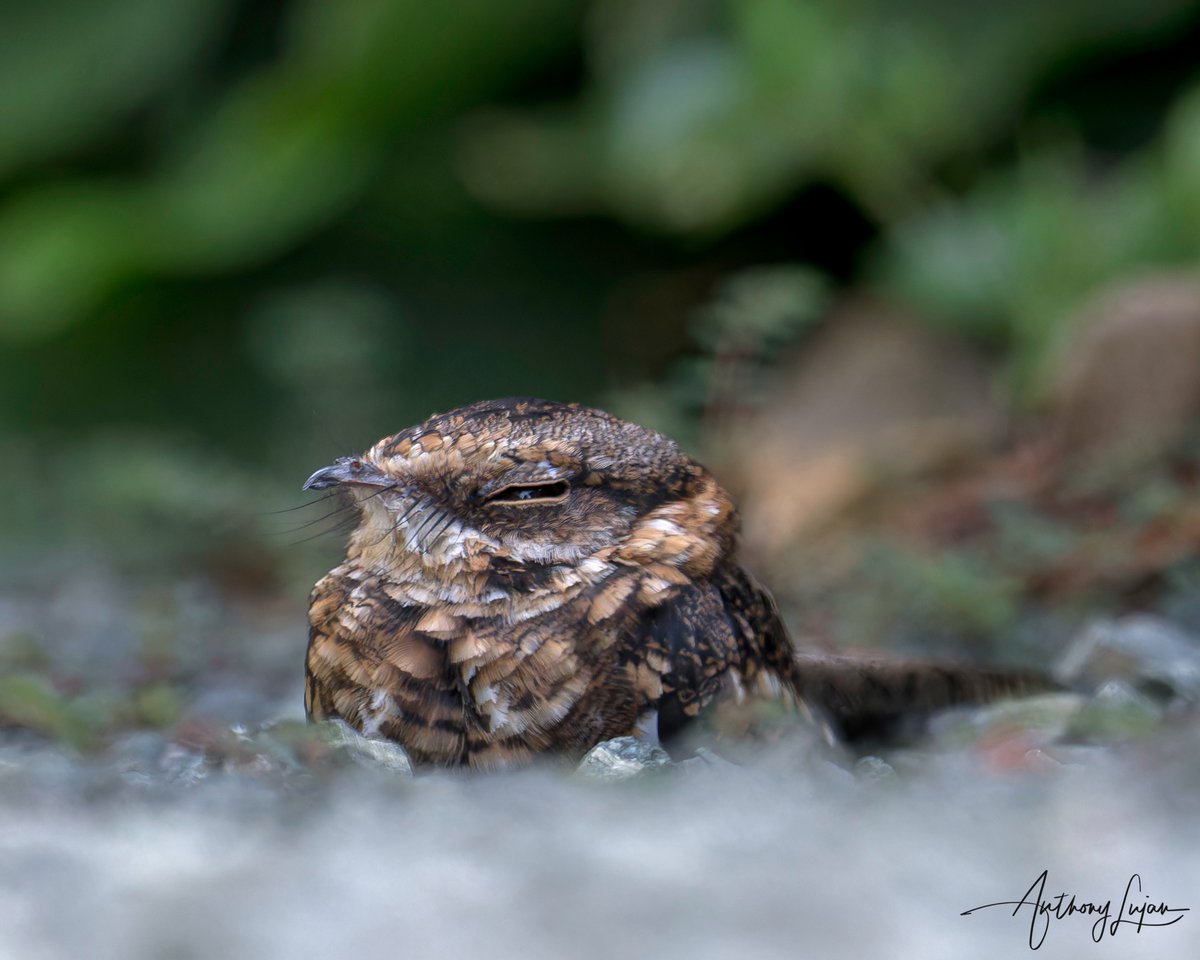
532 577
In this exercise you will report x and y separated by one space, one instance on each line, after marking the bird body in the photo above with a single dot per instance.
532 577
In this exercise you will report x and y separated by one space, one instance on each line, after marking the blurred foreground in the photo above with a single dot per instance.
781 858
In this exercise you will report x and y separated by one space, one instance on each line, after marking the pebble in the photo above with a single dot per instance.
622 758
1145 651
347 742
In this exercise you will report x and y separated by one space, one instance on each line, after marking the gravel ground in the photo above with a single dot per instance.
779 858
208 837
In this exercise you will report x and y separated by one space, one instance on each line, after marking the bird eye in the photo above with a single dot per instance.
522 493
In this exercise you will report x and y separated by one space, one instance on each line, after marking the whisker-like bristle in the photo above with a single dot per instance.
332 513
395 527
441 528
348 509
299 506
417 536
344 526
389 487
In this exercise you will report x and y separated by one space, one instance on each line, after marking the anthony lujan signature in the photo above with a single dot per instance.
1136 910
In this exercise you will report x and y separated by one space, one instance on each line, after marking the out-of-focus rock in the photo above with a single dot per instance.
1077 755
1147 652
279 749
30 767
622 758
345 741
1040 720
874 768
872 395
1128 380
184 766
138 756
1117 712
704 759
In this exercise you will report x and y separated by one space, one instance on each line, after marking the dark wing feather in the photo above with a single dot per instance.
694 638
725 636
720 639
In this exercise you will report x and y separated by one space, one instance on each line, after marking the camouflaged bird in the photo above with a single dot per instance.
532 577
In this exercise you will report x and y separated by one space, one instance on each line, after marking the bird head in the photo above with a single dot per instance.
517 489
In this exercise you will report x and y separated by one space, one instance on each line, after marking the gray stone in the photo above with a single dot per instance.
703 759
874 768
622 758
1044 718
1078 755
183 766
1117 712
347 742
1143 650
138 756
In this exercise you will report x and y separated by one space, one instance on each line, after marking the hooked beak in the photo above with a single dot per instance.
347 470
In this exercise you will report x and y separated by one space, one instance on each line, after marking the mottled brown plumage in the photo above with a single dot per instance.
532 577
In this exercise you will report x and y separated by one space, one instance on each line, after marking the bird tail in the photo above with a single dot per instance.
870 698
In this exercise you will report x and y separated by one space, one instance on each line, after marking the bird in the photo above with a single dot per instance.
530 578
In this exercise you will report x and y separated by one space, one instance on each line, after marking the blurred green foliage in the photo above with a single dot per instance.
83 720
238 238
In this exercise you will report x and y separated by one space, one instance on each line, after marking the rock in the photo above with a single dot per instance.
184 766
872 395
622 758
32 768
874 768
1041 761
138 756
270 752
1078 755
1146 651
1126 386
344 741
1041 719
707 757
703 759
1117 712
